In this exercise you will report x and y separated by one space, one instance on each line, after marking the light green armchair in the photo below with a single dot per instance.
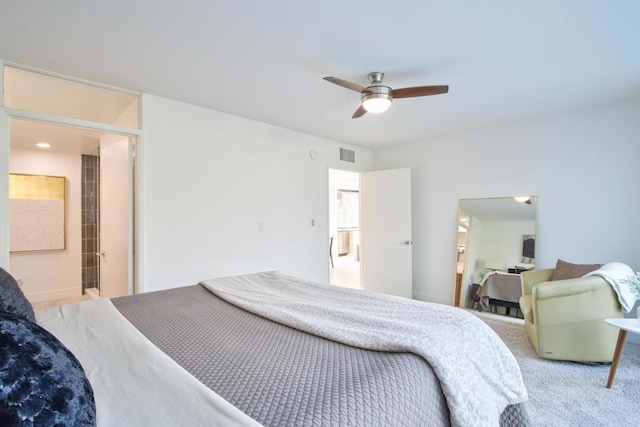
565 318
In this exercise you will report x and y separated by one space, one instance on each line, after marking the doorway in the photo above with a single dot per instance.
73 153
461 249
374 223
77 118
344 229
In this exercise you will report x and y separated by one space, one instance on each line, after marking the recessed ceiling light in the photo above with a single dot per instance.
43 145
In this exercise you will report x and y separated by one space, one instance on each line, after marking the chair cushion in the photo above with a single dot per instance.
566 270
12 300
41 381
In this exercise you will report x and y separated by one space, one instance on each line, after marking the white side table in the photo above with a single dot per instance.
625 325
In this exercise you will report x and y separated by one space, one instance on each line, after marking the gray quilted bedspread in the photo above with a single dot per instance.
284 377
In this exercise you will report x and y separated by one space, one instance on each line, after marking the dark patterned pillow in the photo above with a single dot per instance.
41 381
12 300
566 270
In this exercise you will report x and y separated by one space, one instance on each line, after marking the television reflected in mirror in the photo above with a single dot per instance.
528 247
492 229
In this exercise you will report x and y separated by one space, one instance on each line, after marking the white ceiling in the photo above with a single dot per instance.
504 60
499 209
26 134
60 97
27 90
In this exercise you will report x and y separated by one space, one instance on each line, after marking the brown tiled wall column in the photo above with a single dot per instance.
90 221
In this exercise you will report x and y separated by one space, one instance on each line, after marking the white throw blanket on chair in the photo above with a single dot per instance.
615 273
478 374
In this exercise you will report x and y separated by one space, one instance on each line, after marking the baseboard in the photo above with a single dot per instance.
496 317
93 293
428 298
53 294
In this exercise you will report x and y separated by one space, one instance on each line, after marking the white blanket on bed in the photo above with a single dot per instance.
134 383
478 374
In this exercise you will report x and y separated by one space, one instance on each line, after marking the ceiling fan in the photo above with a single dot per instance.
377 97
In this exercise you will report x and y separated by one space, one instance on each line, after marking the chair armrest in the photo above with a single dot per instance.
530 278
561 288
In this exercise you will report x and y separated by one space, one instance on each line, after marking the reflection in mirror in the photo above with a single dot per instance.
496 237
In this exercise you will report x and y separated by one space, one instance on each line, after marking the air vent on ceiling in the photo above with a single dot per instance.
347 155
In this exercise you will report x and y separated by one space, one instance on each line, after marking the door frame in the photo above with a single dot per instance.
136 143
130 145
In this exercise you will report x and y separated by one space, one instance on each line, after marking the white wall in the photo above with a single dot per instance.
54 274
130 116
583 166
503 239
208 178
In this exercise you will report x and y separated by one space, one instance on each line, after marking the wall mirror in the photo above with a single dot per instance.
494 234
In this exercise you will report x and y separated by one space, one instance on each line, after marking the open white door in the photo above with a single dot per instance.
386 232
115 216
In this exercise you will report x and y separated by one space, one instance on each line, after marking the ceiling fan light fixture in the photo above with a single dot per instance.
376 103
376 99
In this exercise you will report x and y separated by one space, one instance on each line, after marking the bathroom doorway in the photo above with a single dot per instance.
78 156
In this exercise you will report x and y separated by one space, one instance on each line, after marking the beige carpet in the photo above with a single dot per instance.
573 394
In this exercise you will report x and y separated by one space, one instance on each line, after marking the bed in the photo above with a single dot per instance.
270 349
499 288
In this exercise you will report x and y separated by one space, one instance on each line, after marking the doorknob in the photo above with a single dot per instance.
101 253
407 242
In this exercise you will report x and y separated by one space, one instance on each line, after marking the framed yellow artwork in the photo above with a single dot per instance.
37 212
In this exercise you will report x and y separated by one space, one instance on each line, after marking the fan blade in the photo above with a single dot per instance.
359 112
410 92
344 83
